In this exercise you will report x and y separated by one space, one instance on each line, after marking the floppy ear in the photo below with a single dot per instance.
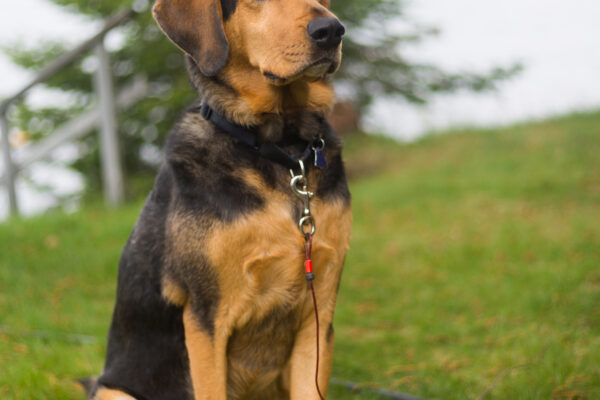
196 26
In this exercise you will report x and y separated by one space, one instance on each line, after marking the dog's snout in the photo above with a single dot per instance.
326 32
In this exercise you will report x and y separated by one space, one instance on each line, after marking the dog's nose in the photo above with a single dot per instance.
326 32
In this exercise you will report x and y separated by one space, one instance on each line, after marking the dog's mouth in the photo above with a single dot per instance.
312 72
319 68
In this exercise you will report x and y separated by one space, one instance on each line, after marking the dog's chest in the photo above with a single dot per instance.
264 295
259 258
258 352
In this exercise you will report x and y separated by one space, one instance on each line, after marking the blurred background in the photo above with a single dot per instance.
411 67
472 134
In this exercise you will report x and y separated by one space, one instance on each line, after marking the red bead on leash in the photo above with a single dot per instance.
309 270
308 267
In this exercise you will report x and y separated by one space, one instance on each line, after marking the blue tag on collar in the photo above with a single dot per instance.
320 161
318 147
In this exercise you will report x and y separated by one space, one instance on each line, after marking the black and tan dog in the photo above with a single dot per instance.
212 299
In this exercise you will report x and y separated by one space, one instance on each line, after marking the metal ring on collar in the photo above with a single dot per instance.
307 219
319 144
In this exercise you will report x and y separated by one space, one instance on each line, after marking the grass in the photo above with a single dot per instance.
473 252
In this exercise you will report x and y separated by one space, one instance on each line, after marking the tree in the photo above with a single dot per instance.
373 65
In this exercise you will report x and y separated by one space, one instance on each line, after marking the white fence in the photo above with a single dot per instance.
102 116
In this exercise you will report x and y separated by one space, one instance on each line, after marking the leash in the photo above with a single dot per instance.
310 276
307 226
299 185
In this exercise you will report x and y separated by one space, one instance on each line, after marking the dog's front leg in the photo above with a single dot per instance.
207 355
304 357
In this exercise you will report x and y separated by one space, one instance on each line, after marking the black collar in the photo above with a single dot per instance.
268 150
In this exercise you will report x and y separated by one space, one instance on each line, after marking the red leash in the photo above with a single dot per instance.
307 226
310 276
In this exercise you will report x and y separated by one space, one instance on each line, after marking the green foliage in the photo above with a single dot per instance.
471 253
373 66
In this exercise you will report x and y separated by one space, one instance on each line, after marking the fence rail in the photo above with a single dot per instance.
101 116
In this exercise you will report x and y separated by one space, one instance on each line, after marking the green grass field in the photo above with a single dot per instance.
475 256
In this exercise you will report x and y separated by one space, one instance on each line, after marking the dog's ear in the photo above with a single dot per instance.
196 26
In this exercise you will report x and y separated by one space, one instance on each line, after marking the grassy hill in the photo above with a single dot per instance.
473 273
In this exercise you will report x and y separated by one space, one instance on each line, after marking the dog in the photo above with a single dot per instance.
213 297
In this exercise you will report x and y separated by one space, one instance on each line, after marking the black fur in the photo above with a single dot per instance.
146 353
146 347
228 7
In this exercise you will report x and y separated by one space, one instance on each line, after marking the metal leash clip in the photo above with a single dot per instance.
299 184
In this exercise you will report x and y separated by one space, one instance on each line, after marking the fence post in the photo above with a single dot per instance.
9 169
110 158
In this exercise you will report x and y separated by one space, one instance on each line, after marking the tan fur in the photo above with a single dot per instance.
271 37
207 359
260 39
260 261
269 125
111 394
174 293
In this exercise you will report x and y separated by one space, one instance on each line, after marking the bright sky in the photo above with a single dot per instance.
557 41
31 22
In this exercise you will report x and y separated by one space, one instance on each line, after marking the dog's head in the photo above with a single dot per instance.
286 40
